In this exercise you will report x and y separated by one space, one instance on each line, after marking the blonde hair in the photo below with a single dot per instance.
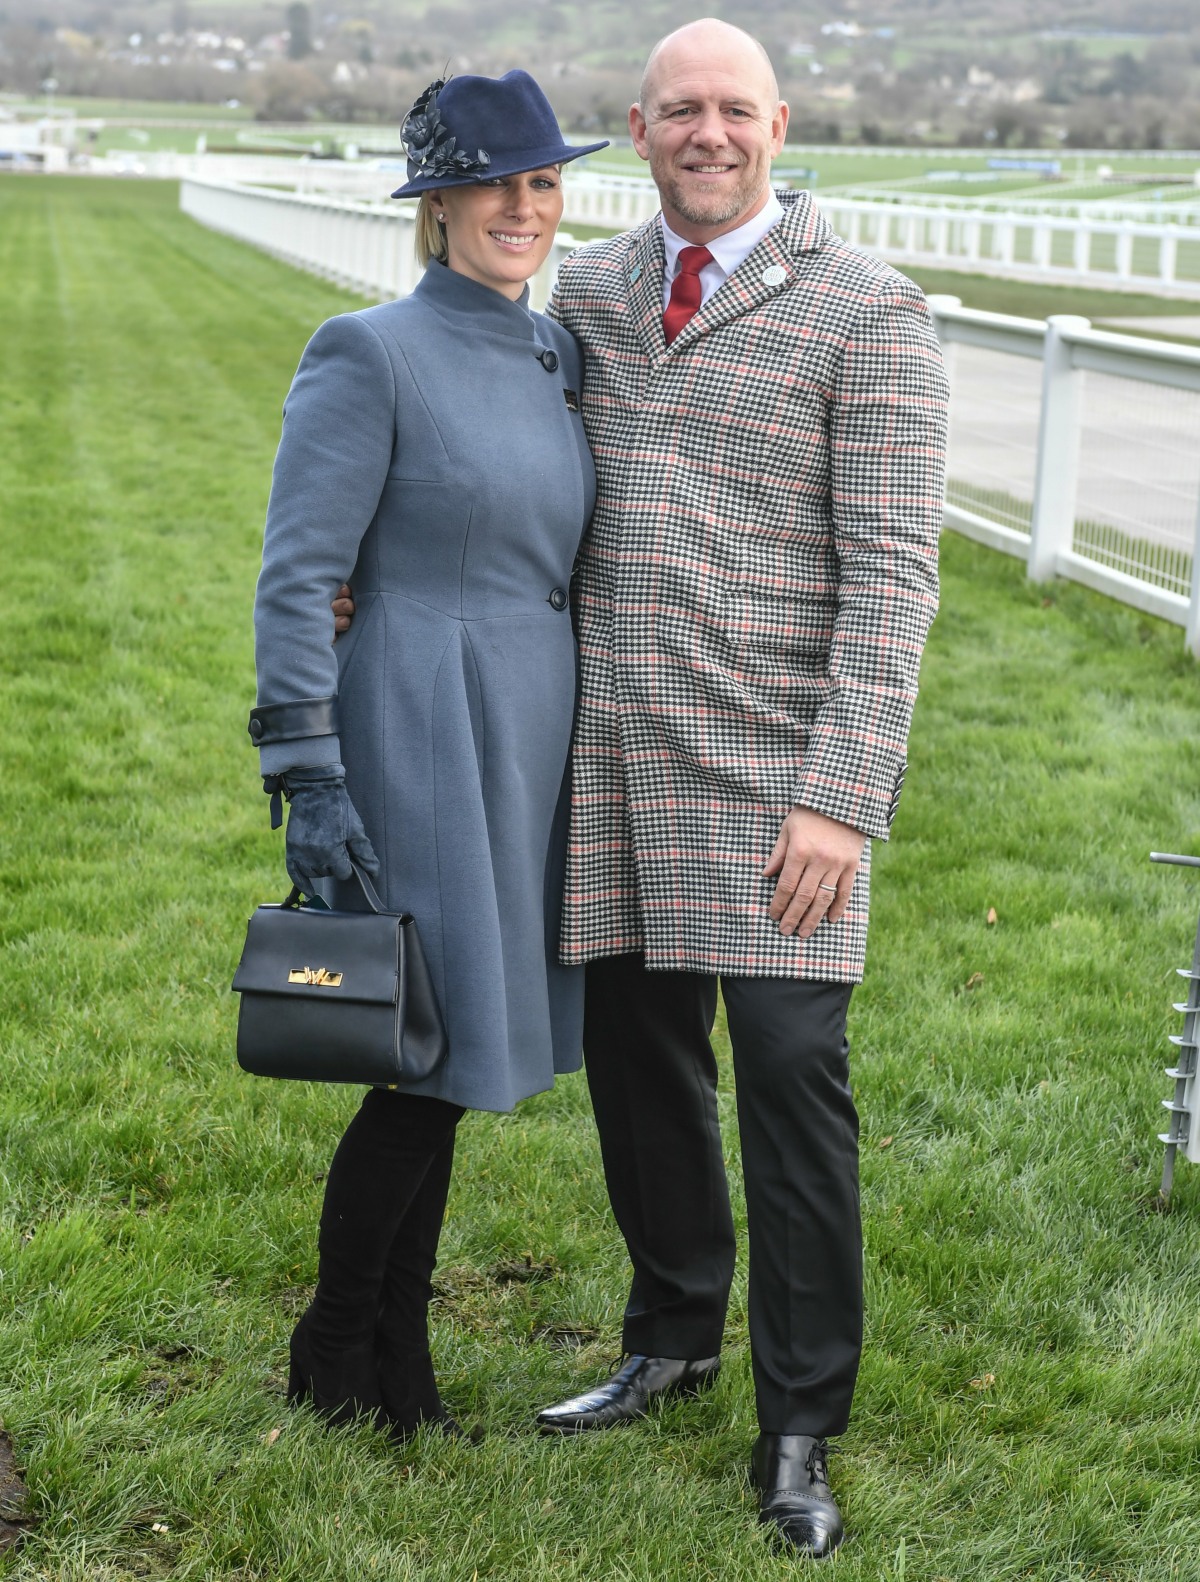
430 237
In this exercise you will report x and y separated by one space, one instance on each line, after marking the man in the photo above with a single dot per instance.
766 406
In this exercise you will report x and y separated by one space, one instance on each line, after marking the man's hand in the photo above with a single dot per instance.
343 610
816 859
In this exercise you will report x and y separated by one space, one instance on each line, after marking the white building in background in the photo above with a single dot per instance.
32 145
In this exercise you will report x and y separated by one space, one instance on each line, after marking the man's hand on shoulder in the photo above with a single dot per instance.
816 859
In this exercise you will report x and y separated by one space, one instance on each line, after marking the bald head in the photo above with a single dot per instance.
709 121
702 45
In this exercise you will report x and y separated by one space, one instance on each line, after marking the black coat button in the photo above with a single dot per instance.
256 729
549 361
558 598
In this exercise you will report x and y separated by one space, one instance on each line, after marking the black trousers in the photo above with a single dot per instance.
653 1082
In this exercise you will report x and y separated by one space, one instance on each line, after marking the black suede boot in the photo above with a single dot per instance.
376 1175
338 1381
406 1378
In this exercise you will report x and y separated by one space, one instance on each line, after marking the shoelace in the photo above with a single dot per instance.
817 1465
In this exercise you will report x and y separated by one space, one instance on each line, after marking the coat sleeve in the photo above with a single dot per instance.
559 307
554 308
339 423
887 440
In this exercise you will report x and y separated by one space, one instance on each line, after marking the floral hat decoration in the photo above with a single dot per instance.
471 129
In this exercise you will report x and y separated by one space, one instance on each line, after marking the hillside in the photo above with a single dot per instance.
1013 72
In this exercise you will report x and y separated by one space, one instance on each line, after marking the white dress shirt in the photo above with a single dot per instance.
728 250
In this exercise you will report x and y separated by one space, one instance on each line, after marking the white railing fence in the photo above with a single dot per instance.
1076 449
366 247
1087 247
1180 208
615 202
1079 451
1020 245
290 172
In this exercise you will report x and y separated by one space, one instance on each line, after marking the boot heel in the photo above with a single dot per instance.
298 1390
339 1387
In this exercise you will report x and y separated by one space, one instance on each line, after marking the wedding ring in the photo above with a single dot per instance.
832 887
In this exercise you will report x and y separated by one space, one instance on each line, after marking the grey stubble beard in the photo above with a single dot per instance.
671 192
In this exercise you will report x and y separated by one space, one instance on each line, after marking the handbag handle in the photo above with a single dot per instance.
370 894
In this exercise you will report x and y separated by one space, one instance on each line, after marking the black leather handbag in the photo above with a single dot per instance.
337 996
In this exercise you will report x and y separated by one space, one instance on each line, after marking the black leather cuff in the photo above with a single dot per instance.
288 722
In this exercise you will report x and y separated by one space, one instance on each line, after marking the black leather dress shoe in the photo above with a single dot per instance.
794 1495
628 1394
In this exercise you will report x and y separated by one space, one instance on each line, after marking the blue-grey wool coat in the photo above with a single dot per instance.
433 455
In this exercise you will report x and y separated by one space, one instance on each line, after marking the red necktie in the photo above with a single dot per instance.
685 292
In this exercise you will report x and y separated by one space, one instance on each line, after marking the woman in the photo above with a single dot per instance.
433 455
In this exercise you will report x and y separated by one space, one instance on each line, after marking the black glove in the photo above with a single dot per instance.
323 830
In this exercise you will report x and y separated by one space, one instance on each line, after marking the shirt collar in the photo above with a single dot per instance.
729 249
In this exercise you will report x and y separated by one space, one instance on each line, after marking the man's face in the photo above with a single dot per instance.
709 126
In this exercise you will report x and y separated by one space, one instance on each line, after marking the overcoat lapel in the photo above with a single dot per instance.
771 268
644 265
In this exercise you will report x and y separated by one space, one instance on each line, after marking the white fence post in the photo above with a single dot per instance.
1052 527
1124 252
1168 254
1191 635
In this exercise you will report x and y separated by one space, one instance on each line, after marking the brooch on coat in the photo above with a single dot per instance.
431 147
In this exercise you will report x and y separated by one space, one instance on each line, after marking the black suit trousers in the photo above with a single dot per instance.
653 1081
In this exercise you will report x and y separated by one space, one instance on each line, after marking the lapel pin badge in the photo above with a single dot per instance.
635 274
774 275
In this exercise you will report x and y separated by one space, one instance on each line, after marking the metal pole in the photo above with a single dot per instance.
1184 1071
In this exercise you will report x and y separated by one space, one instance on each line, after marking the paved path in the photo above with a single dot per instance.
1139 465
1188 328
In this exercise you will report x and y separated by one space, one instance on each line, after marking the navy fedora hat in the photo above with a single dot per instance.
470 129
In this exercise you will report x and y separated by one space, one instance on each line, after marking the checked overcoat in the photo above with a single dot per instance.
754 591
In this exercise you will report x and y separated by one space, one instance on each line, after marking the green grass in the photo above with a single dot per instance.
131 109
1029 1406
1033 301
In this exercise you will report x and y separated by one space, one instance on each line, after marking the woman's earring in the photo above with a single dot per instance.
441 219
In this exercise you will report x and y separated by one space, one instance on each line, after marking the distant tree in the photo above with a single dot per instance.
361 39
299 26
1065 72
1126 76
409 59
1089 125
1006 124
289 92
605 115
